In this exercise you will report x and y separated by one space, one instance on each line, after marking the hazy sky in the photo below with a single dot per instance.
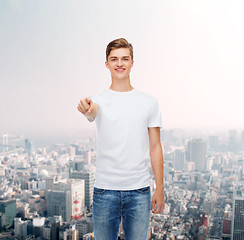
188 54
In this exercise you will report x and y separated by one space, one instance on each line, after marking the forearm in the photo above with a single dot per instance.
157 164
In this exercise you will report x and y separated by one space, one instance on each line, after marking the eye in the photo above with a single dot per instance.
126 59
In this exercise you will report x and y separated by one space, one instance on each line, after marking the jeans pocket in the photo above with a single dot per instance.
143 190
98 190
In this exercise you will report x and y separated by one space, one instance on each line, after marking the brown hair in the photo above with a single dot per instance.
119 43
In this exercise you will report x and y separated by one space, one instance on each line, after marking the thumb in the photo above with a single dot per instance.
91 107
89 101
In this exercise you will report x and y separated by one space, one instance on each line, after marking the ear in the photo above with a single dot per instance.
132 63
106 64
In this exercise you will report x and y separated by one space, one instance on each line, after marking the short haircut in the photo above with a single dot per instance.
119 43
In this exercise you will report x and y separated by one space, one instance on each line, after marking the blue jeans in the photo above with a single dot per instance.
133 206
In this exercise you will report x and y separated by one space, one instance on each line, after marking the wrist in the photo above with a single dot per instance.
90 119
160 188
89 116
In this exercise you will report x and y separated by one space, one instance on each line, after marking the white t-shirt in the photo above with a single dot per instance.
123 141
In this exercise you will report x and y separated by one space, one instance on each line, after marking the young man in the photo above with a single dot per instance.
128 123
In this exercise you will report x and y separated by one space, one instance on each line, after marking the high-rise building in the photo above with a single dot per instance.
242 140
38 226
233 140
88 156
83 225
189 166
54 223
237 230
77 164
2 170
203 221
66 199
226 233
49 182
179 159
240 164
5 142
71 233
8 212
20 228
72 151
89 179
213 143
28 147
196 153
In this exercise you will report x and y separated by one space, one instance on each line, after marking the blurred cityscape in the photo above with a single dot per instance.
46 192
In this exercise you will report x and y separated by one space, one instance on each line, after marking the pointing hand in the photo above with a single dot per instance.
88 108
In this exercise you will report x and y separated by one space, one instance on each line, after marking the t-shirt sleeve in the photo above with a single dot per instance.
155 119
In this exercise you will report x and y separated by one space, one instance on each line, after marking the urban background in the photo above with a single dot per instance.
46 192
188 54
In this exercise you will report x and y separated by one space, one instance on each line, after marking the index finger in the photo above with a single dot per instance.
88 100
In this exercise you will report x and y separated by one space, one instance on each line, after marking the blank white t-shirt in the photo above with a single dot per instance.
122 124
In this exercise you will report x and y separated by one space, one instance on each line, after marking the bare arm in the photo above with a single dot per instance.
157 163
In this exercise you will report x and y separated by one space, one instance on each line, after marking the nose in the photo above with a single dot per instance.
119 62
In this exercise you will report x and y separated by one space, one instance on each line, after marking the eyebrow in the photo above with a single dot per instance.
122 57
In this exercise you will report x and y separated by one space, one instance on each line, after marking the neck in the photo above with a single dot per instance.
121 85
121 88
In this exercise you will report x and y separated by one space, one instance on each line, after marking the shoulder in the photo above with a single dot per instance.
97 97
99 94
146 97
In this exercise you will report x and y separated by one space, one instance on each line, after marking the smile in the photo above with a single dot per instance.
120 69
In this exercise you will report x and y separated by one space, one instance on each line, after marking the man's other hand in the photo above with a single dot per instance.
158 198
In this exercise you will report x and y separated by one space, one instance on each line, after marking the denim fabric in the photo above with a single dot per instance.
110 205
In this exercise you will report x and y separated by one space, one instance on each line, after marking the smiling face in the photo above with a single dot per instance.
119 63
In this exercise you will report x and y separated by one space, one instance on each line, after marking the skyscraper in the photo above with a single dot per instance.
196 152
5 142
20 228
71 233
233 140
27 147
89 179
237 230
179 159
77 165
242 140
213 143
8 212
66 199
59 203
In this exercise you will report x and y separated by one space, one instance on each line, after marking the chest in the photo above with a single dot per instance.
127 113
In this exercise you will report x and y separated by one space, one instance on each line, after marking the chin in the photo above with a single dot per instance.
122 76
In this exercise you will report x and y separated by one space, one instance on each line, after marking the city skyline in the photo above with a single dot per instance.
187 54
47 191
